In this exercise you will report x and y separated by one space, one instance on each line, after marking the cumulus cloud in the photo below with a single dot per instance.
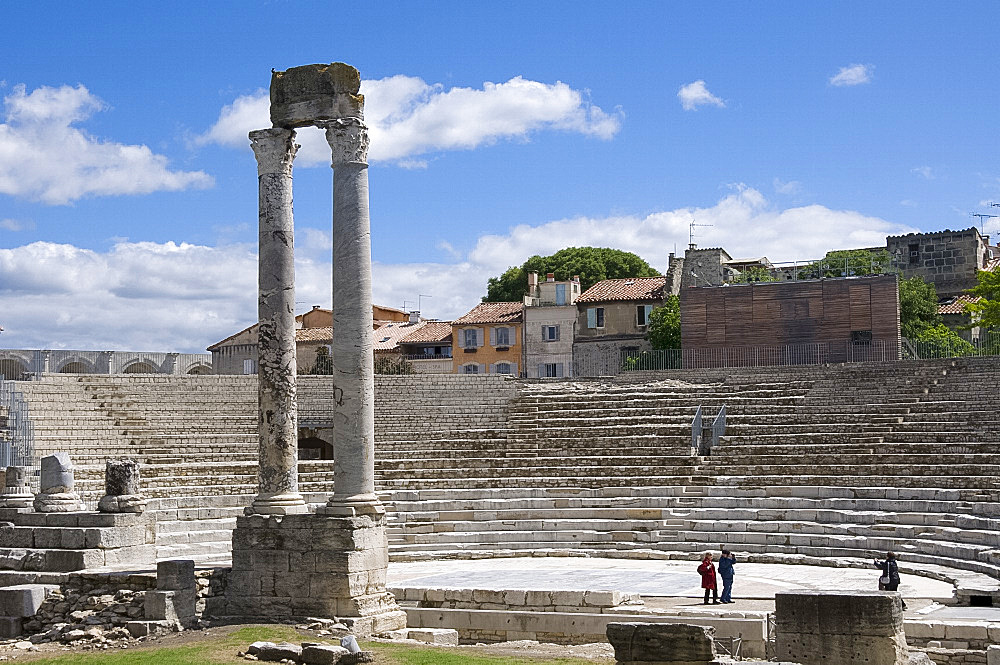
45 156
925 172
788 188
182 297
696 94
853 75
408 117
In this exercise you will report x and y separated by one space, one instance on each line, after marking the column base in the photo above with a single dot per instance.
57 502
352 507
289 503
313 566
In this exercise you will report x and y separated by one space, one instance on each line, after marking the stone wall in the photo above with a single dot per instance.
519 600
947 259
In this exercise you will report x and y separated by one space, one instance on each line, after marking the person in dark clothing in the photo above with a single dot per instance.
726 571
708 581
889 581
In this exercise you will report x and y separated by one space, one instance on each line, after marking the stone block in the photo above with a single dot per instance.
304 95
22 600
176 574
278 652
446 636
11 627
171 606
661 643
993 655
323 654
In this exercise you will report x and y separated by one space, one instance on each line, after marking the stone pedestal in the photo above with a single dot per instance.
16 493
662 643
843 627
313 566
121 488
56 485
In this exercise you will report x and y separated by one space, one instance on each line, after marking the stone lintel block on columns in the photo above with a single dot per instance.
310 565
277 477
305 95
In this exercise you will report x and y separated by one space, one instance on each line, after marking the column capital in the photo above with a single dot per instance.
348 139
274 149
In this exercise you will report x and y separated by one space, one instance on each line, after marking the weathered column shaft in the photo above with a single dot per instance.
353 346
277 477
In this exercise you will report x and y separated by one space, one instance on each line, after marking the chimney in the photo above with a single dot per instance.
550 277
315 306
576 278
532 280
415 316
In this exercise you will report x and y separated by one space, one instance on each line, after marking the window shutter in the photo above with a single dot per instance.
493 336
513 369
557 332
559 370
482 368
480 336
649 309
592 317
545 333
541 370
493 368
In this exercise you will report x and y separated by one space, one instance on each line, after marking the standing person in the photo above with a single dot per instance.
889 581
708 582
726 571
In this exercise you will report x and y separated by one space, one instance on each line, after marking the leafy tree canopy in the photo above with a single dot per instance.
940 341
986 312
664 331
918 305
592 264
754 274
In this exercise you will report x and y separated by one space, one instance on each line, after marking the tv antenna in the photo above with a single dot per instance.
982 219
691 227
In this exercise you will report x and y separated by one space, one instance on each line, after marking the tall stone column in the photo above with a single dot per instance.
353 346
277 477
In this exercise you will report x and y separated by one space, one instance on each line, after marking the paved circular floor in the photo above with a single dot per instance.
650 578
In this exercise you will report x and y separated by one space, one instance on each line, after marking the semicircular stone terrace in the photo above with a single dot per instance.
817 463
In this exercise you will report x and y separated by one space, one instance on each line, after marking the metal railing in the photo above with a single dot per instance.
853 266
696 430
718 427
987 344
17 433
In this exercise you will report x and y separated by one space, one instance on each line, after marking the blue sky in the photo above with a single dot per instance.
128 191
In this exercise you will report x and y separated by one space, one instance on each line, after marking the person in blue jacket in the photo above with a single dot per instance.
726 571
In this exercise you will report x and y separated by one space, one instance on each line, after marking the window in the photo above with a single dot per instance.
471 368
502 336
862 337
550 370
550 333
249 366
503 368
595 317
642 314
914 253
469 338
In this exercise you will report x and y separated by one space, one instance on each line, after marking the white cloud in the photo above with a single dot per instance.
696 94
45 157
408 117
788 188
926 172
909 203
182 297
16 225
853 75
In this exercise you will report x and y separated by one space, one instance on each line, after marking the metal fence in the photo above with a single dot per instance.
987 344
17 434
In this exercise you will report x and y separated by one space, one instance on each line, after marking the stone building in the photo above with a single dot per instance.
487 339
237 354
549 326
947 259
428 348
612 317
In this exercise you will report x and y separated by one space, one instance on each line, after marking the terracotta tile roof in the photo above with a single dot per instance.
431 331
992 265
387 337
492 312
956 305
633 288
314 334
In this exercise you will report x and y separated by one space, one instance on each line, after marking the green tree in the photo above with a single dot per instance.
592 264
918 307
323 363
940 341
754 274
986 311
664 330
848 263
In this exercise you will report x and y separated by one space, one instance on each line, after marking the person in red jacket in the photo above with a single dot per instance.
708 582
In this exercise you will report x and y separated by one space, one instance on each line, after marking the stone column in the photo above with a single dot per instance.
16 492
56 493
121 488
277 478
353 346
